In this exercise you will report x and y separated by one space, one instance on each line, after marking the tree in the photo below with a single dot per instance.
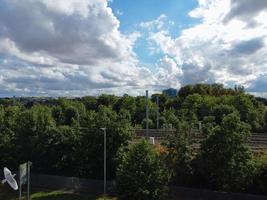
192 102
151 125
107 100
179 153
30 125
126 102
140 112
225 161
221 110
141 175
58 115
185 91
56 151
89 102
170 118
119 132
71 115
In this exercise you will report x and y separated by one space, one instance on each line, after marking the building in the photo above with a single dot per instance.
170 92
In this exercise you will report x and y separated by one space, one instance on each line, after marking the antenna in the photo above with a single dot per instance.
9 178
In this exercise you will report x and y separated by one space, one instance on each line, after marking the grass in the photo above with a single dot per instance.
8 194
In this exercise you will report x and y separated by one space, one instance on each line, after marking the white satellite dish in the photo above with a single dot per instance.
9 178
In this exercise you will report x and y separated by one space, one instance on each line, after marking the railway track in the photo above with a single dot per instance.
257 141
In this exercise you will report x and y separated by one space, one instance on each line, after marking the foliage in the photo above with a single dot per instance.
141 174
179 154
119 131
225 161
55 142
56 133
259 182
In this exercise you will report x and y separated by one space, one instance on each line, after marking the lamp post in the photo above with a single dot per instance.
105 158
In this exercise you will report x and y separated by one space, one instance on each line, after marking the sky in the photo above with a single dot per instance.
87 47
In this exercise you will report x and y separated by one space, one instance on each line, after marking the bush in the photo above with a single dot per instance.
259 183
141 174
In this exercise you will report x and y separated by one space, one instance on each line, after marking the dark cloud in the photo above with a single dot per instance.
245 9
193 73
71 38
259 85
63 47
248 47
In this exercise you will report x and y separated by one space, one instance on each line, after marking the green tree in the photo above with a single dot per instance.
225 161
71 115
107 100
140 113
30 125
126 102
56 151
179 153
89 102
170 118
141 175
119 132
221 110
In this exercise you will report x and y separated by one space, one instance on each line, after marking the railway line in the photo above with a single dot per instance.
257 141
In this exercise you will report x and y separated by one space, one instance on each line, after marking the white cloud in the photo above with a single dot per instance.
75 48
216 51
77 32
168 73
161 22
66 48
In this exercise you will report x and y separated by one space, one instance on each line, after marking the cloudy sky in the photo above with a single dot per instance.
86 47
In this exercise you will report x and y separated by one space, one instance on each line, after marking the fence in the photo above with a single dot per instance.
70 183
96 187
178 193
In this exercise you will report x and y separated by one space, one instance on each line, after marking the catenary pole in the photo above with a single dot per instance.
157 112
147 113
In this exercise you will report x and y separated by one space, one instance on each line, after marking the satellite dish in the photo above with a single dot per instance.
9 178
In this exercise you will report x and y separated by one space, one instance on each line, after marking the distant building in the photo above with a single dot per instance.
170 92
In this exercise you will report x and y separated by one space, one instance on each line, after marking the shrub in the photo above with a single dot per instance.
141 174
259 183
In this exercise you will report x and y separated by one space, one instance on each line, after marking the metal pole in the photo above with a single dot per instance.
200 127
28 180
19 185
157 112
105 158
147 113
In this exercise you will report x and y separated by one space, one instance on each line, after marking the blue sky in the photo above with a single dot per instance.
83 47
135 12
132 13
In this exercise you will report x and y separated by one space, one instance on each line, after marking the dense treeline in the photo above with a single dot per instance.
198 102
62 136
64 139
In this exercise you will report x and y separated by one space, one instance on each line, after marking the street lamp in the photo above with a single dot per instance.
105 157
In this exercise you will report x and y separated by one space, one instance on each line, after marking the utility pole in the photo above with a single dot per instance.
157 98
